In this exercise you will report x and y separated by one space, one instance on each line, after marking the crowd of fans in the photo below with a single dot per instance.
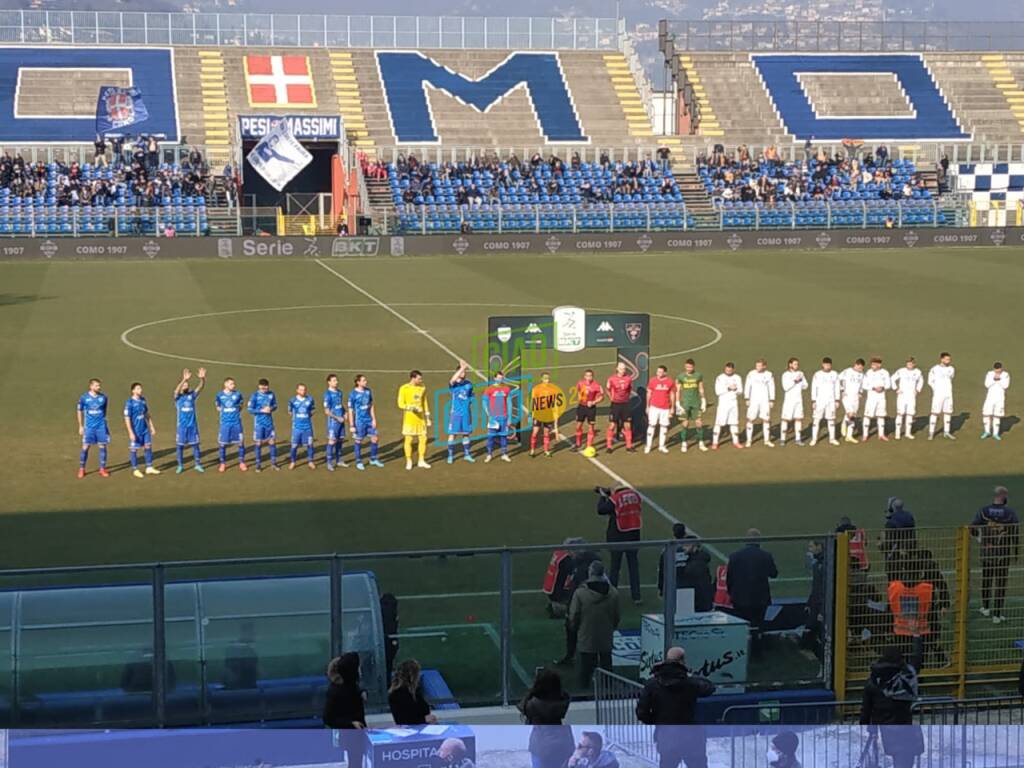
766 178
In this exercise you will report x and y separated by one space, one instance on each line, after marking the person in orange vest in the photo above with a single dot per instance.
624 509
910 603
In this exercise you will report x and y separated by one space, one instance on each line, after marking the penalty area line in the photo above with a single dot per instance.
448 350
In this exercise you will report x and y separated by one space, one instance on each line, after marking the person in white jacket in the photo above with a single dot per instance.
793 385
940 379
908 383
825 401
728 390
759 392
877 383
997 381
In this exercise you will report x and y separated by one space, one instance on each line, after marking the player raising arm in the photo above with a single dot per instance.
877 383
139 424
997 381
661 401
334 410
825 401
850 381
188 427
620 390
302 406
362 420
229 402
588 394
262 405
728 390
691 402
793 385
415 418
496 410
759 392
92 425
940 379
907 382
460 415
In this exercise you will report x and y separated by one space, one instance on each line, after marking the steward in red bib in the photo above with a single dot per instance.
624 509
722 599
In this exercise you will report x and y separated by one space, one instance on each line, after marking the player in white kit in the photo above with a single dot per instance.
793 385
825 400
997 381
728 389
908 383
940 379
850 381
759 391
877 383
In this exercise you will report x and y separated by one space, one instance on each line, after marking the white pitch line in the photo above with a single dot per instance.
441 345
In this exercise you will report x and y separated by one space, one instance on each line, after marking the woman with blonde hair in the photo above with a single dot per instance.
405 696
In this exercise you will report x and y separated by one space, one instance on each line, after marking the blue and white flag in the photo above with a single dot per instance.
279 157
118 108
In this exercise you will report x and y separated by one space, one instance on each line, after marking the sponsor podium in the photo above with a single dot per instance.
415 746
716 643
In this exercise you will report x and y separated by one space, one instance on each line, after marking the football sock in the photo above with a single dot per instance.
683 434
662 437
628 432
241 453
195 452
338 449
465 446
533 441
310 452
590 436
880 423
149 457
490 443
504 443
547 442
451 447
579 434
407 447
181 455
330 454
814 432
103 457
766 434
373 450
222 451
798 430
909 427
358 448
611 435
866 427
735 432
273 453
932 421
995 425
651 429
986 424
714 435
83 457
783 429
422 445
899 426
946 420
258 448
831 429
750 433
294 452
133 457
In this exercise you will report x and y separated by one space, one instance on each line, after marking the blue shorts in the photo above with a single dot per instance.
498 426
230 434
460 424
142 439
364 429
259 434
188 436
96 436
305 437
335 430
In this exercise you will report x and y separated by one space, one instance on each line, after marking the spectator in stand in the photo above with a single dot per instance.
117 150
889 695
545 707
590 753
169 230
152 153
342 228
749 571
668 701
99 157
405 696
594 613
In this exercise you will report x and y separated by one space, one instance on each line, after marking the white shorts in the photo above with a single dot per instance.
851 405
658 417
793 410
942 403
727 415
995 408
906 405
759 409
825 410
874 405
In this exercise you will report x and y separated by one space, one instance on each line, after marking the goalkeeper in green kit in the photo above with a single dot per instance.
691 403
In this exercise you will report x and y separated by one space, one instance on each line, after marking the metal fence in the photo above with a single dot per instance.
307 30
843 36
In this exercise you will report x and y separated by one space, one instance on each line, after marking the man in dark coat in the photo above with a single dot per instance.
749 571
996 528
668 701
889 694
693 569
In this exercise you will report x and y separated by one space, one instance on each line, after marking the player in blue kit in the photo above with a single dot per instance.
262 405
334 410
188 427
460 415
362 420
140 428
229 402
302 407
92 425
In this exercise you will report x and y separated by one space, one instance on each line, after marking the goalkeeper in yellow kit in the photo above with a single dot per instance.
415 417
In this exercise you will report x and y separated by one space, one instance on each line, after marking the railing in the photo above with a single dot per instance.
448 153
842 36
84 153
643 82
129 221
307 30
992 710
615 699
830 214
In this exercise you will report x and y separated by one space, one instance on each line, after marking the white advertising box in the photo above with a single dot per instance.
717 647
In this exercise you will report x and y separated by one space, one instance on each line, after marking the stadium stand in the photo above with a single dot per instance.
993 188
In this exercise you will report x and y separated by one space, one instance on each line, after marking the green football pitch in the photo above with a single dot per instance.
292 321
